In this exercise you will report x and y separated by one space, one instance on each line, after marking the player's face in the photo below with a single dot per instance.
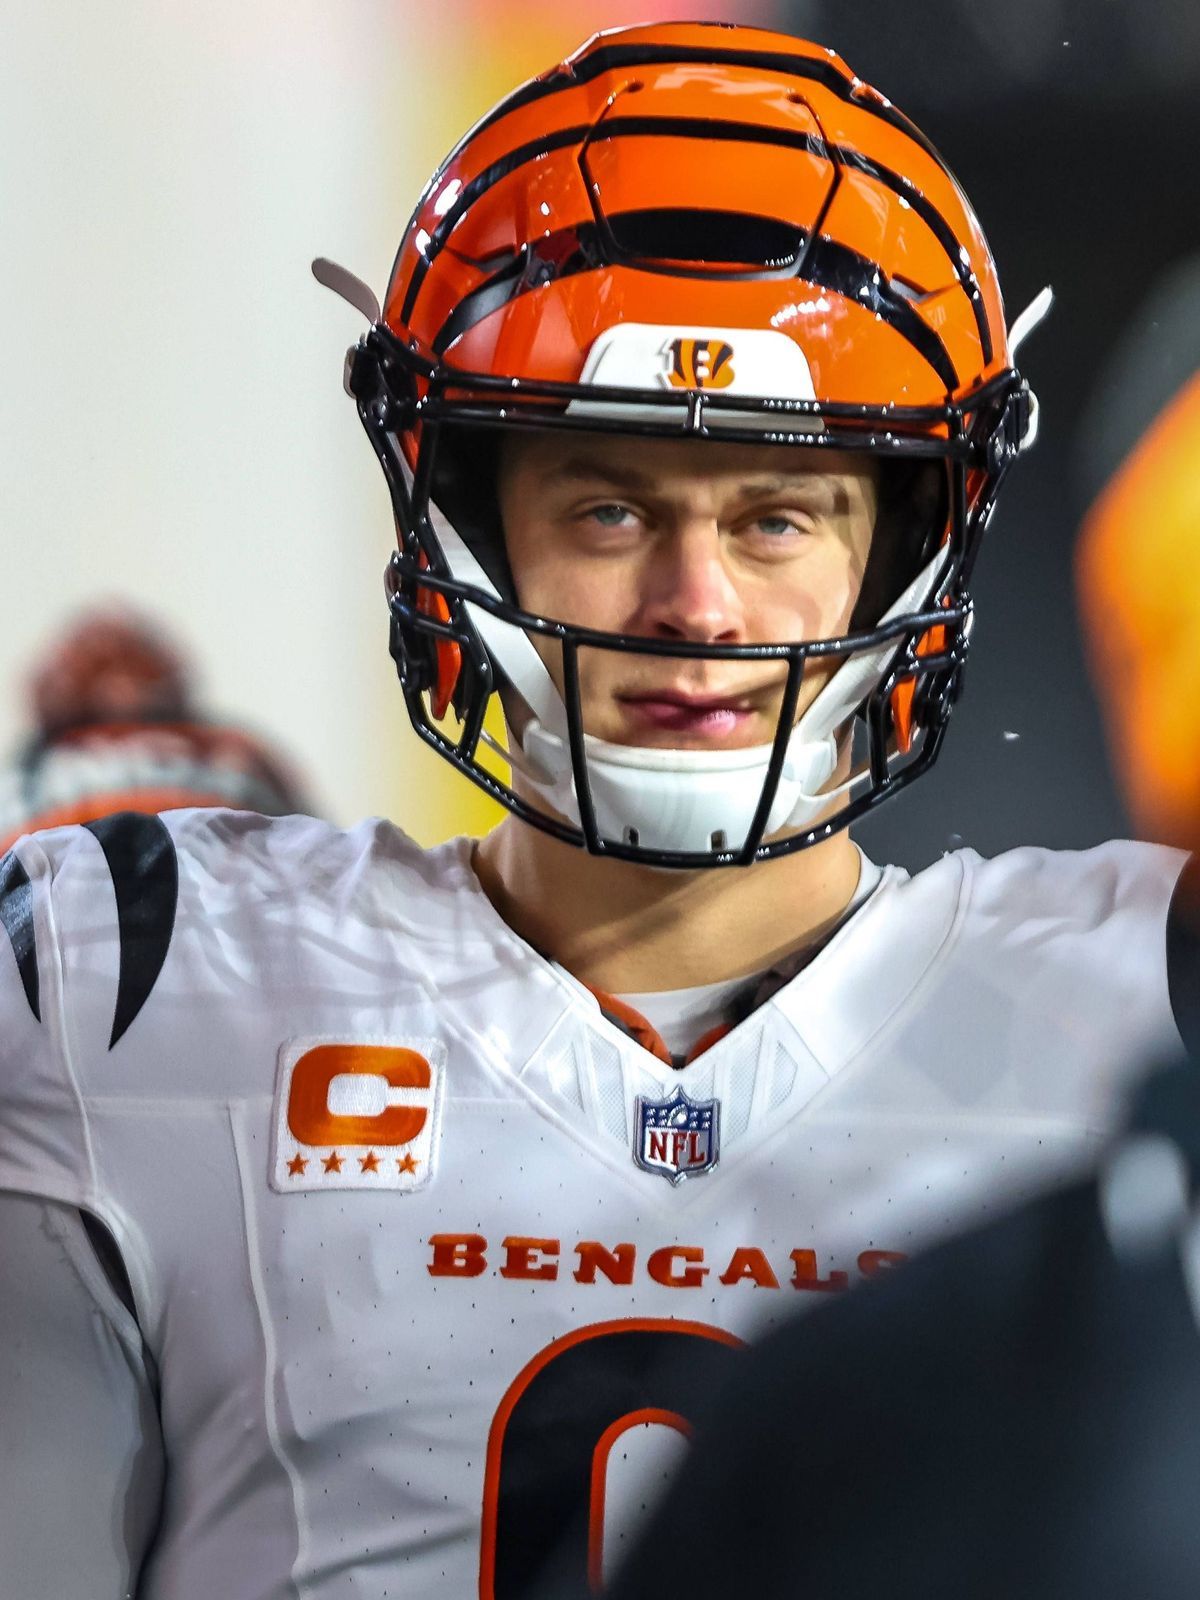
716 543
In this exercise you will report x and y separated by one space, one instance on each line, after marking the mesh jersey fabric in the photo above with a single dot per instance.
388 1346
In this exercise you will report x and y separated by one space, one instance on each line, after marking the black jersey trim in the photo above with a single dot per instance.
1183 956
108 1254
16 913
145 873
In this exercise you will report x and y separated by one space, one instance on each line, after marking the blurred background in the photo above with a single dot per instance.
173 430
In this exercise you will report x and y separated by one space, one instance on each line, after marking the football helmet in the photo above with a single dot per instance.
700 231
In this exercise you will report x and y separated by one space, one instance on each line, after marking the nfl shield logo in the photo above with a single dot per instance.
677 1137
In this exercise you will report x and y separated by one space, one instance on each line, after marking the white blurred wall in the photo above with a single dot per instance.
172 423
173 428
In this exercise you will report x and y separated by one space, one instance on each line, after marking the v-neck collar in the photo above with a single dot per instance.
837 1000
588 1076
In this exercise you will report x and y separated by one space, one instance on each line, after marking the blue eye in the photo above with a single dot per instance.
610 516
776 526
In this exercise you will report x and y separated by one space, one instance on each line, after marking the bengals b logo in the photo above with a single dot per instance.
699 364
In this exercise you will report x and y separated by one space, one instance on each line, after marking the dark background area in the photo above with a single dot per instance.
1074 126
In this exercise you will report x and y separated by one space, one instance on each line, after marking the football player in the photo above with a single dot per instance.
424 1180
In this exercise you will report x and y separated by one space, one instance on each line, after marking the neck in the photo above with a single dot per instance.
628 929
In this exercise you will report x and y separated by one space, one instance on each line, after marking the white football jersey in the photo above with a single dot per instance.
422 1243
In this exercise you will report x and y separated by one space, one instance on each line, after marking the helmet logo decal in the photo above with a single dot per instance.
699 364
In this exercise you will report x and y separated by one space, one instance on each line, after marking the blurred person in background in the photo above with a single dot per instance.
1018 1412
1139 557
422 1177
115 727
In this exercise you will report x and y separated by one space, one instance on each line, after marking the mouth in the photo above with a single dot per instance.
697 716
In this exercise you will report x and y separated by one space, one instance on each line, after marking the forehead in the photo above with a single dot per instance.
550 457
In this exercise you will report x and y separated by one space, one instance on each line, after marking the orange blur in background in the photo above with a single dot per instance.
1139 586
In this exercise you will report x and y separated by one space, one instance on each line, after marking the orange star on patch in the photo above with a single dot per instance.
356 1113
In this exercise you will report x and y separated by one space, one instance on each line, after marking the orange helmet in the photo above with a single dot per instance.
715 232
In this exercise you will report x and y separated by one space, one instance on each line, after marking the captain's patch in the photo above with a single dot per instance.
357 1115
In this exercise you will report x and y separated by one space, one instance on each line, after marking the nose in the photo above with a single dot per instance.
687 592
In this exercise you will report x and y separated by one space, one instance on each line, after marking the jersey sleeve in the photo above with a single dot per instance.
44 1145
1086 938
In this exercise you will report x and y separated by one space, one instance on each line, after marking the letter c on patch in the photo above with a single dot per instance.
313 1123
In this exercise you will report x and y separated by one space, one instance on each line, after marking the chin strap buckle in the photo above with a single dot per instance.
384 391
1015 432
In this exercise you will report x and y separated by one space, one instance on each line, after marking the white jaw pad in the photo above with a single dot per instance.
509 645
857 676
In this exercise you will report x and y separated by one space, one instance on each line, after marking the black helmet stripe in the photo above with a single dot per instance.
835 266
612 57
479 185
704 128
825 263
937 225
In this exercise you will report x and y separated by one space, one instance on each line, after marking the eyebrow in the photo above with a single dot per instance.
578 469
581 469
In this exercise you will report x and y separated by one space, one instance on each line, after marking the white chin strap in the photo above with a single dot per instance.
684 800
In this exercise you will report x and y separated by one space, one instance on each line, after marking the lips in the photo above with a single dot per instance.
670 711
